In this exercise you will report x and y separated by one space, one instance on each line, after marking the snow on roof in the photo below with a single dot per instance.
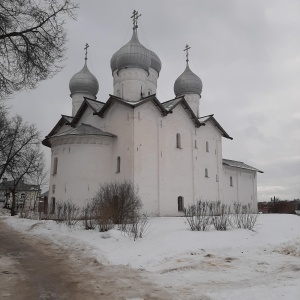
84 129
239 164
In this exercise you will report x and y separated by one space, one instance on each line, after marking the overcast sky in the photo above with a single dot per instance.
247 54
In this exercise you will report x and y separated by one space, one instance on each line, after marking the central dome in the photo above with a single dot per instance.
134 54
187 83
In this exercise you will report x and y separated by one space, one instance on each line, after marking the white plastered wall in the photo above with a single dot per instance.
244 186
208 188
133 83
82 164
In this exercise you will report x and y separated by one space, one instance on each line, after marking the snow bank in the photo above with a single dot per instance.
235 264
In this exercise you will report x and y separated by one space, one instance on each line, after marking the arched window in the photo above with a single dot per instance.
178 140
52 205
206 172
207 147
231 183
55 166
180 203
118 164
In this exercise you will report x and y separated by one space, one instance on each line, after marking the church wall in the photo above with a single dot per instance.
243 188
246 187
176 164
209 158
146 158
77 100
88 117
119 121
82 163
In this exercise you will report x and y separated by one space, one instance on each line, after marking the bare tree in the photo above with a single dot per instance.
32 39
20 153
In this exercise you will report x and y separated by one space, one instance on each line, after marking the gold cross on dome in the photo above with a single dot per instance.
187 47
86 48
135 16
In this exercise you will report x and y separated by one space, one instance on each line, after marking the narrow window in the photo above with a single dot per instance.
217 178
52 205
180 203
53 189
196 144
207 147
45 206
55 166
178 140
206 172
118 164
231 184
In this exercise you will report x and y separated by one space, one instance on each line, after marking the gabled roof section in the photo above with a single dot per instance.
87 102
211 118
64 120
171 104
239 164
84 129
132 104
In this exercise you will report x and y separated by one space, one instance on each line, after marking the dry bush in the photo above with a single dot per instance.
204 214
198 216
244 216
65 212
138 227
116 203
220 215
89 216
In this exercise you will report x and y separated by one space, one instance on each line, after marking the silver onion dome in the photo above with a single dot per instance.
133 54
188 83
84 81
155 62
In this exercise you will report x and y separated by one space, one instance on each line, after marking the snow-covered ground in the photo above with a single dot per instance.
235 264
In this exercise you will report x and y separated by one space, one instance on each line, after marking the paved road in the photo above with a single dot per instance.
35 269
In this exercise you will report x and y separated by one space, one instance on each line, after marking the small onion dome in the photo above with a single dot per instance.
187 83
133 54
155 61
84 81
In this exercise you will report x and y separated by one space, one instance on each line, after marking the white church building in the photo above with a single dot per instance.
165 147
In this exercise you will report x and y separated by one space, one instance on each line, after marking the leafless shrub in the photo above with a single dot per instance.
137 228
244 216
198 216
89 216
65 212
220 215
116 203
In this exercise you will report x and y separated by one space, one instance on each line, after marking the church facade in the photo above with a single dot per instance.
171 153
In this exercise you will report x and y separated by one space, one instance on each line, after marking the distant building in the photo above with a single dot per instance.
26 194
167 149
279 206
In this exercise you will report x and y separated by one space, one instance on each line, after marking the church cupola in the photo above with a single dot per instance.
83 84
135 69
132 55
189 85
